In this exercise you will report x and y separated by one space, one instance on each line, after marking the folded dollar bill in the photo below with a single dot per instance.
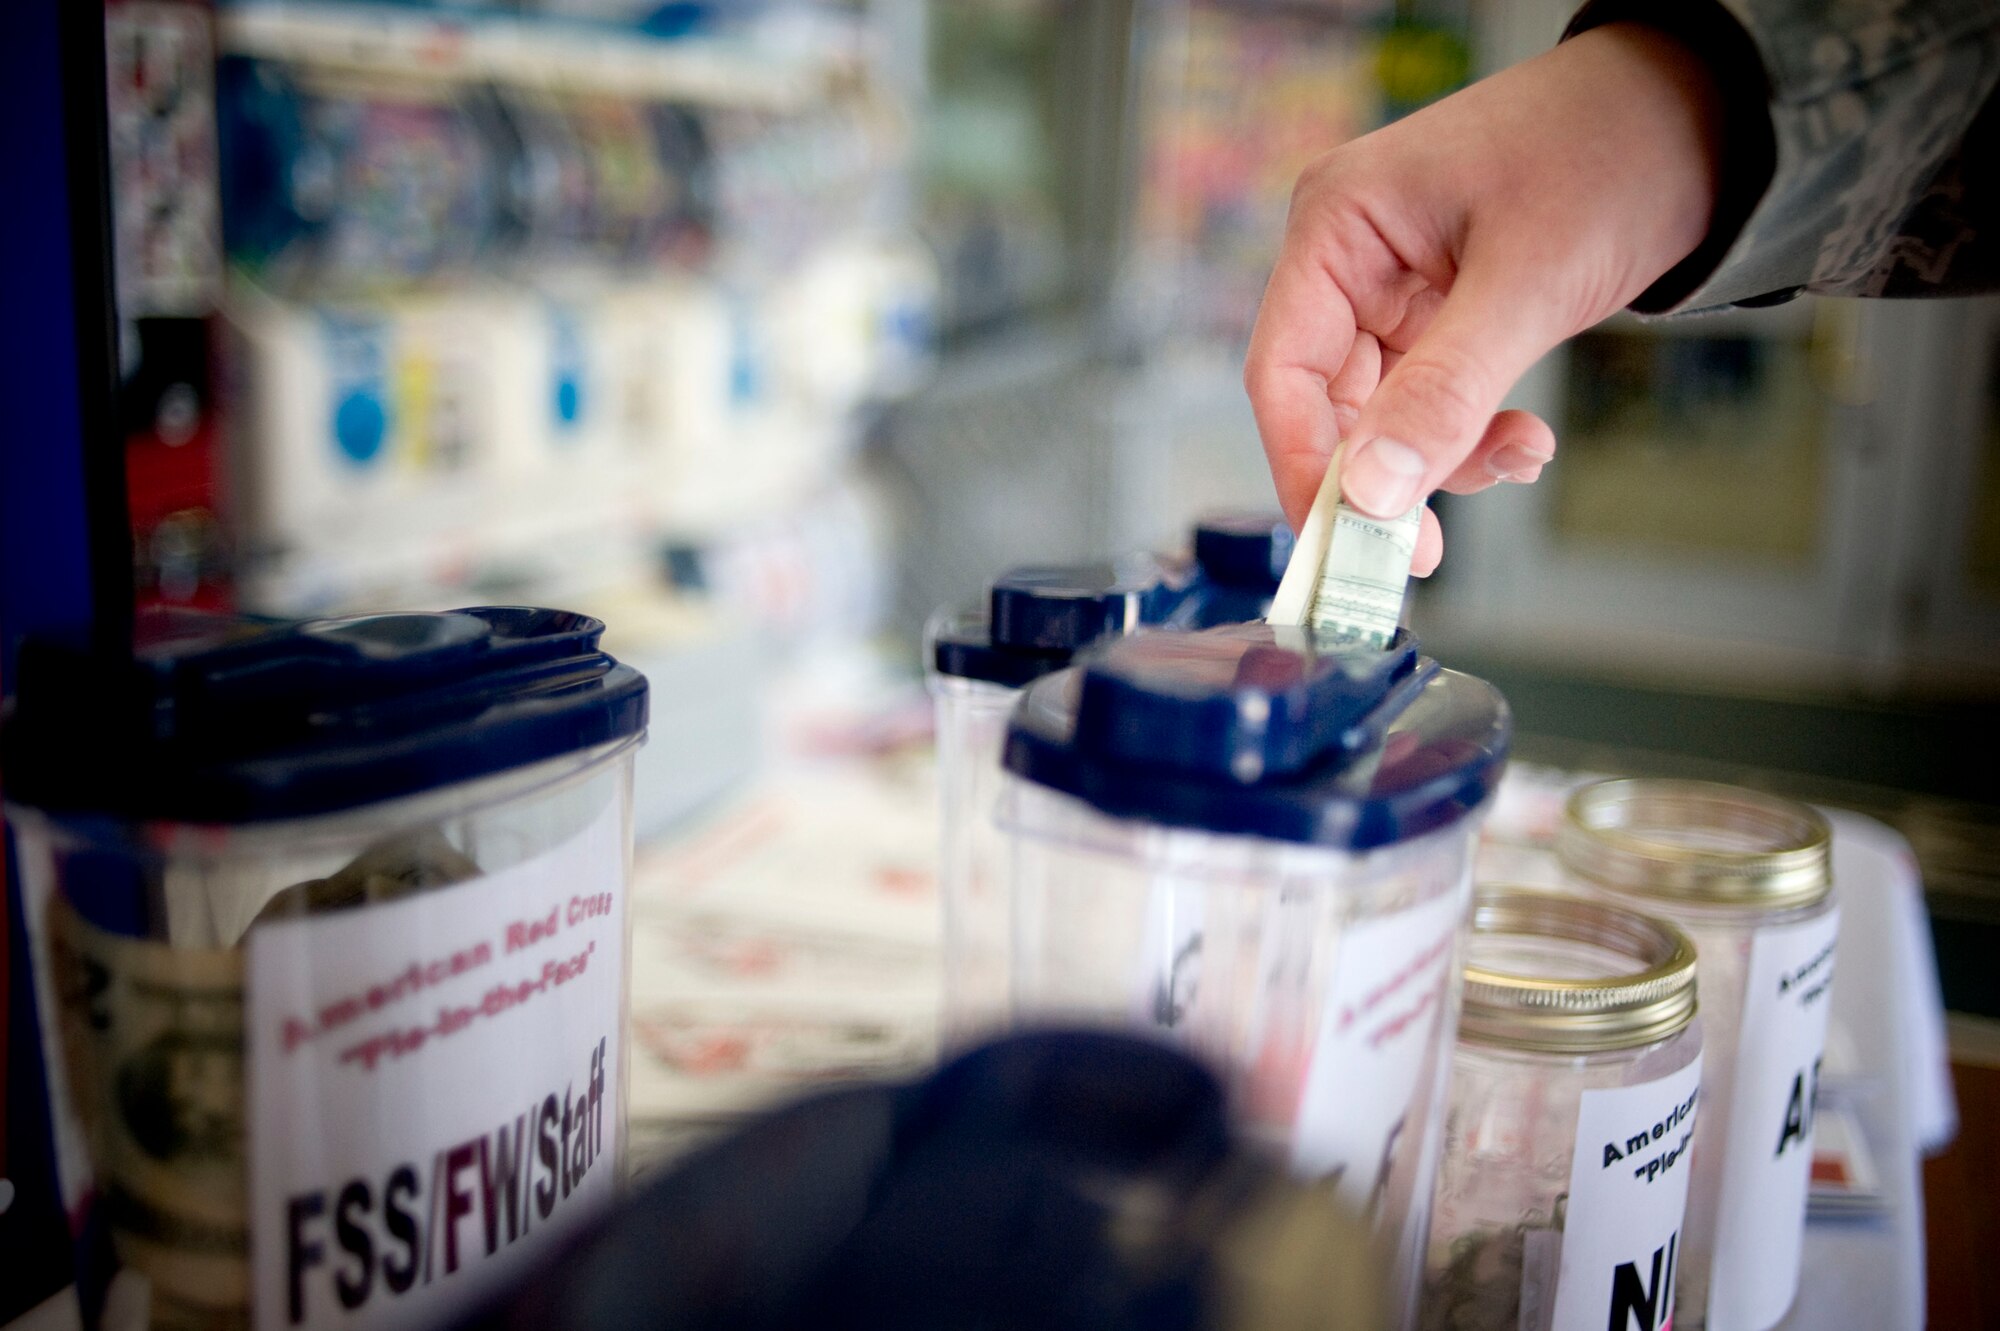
1348 571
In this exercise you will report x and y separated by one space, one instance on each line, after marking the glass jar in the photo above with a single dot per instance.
1262 852
1747 876
1572 1108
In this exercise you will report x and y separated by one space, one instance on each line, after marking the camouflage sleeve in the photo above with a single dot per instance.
1863 147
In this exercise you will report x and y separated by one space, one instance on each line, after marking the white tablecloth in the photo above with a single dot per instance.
1889 1064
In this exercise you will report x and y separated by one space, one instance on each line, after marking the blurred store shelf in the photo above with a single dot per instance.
529 53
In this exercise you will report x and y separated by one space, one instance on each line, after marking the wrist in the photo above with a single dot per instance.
1703 48
1670 117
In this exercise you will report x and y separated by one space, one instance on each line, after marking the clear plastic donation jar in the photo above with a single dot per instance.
1262 852
1239 559
1574 1095
330 921
1036 621
1747 877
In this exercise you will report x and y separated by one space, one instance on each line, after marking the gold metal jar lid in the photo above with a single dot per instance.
1633 1005
1697 841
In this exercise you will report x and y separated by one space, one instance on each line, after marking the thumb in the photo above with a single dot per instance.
1432 408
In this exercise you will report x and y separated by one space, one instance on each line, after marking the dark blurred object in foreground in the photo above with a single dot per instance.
1050 1181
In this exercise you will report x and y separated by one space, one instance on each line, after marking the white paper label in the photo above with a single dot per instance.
1628 1186
434 1088
1767 1159
1390 979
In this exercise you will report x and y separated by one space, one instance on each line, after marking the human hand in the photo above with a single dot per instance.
1428 265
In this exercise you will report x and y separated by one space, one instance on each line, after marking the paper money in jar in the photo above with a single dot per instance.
1348 571
154 1042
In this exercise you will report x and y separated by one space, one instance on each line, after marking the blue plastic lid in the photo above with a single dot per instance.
1067 607
1250 730
1242 702
229 720
1243 550
1039 617
963 645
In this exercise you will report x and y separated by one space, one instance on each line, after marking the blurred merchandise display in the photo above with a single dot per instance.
519 291
993 151
337 179
159 93
1237 102
1236 99
441 436
785 182
167 262
461 427
775 53
174 465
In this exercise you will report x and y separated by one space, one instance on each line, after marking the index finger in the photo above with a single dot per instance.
1304 332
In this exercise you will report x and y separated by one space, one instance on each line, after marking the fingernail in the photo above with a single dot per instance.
1528 476
1510 462
1382 477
